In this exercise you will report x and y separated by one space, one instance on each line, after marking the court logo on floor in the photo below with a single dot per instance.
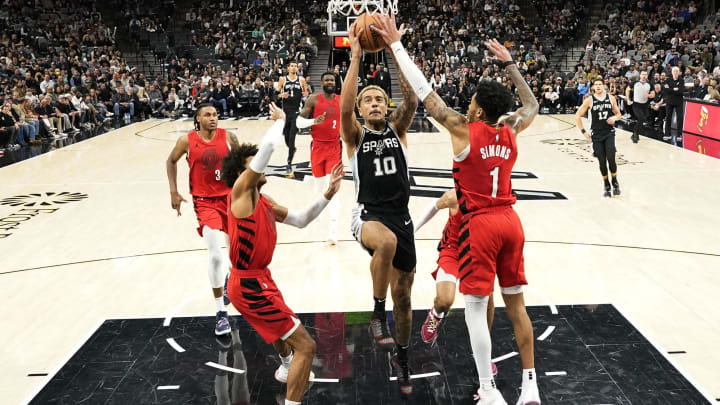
420 176
581 150
34 204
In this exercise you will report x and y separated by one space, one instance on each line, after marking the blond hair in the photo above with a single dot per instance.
367 88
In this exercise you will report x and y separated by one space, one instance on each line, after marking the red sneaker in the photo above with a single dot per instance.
430 328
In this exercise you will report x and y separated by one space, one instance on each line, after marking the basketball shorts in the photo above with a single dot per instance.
491 243
254 294
604 141
448 263
211 211
399 224
323 156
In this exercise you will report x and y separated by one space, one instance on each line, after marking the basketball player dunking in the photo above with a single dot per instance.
325 149
291 89
381 222
205 147
604 112
446 274
251 220
491 236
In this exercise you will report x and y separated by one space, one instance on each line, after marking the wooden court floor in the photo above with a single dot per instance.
87 234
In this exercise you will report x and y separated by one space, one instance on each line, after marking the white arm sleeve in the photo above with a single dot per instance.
301 122
272 138
429 213
412 73
303 218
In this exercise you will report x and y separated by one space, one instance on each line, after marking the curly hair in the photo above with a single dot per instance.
494 98
234 163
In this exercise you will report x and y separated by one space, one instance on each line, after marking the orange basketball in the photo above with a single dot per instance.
370 41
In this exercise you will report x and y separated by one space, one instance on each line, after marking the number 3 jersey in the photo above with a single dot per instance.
205 161
482 171
380 171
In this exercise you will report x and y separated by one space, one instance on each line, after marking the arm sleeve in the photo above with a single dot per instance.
412 73
429 213
301 122
303 218
271 139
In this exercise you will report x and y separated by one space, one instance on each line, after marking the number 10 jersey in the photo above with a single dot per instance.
380 171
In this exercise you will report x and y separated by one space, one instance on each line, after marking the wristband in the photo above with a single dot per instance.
583 130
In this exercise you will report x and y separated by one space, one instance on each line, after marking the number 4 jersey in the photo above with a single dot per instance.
482 171
205 161
380 171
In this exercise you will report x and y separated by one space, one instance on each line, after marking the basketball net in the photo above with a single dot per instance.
357 7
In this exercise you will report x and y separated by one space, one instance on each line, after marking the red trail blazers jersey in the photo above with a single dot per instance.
482 172
205 161
252 239
328 130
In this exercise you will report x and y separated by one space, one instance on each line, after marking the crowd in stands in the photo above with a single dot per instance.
446 40
58 78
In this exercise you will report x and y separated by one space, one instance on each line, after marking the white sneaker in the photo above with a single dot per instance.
490 397
529 396
281 374
332 239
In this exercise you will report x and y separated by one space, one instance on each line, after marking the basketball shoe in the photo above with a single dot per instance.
489 397
402 372
380 334
607 191
430 327
615 186
222 325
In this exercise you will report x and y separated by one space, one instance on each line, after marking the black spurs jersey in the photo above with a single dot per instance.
380 171
291 104
600 111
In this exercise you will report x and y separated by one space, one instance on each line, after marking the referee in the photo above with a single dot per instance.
641 93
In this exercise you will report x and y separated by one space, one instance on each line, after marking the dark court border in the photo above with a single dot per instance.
352 240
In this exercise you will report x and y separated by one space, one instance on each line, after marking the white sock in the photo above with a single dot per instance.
437 314
219 304
476 320
529 377
289 402
286 360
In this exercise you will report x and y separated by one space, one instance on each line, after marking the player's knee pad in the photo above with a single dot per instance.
442 276
516 289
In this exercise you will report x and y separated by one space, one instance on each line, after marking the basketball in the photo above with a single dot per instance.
370 41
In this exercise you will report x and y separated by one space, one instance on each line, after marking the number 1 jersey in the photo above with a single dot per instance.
380 171
482 171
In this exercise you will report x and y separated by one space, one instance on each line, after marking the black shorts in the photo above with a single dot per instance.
604 141
399 224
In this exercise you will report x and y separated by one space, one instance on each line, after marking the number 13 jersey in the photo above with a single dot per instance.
380 171
482 171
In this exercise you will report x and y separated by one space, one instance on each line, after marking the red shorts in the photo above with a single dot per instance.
494 240
323 156
211 211
254 294
448 261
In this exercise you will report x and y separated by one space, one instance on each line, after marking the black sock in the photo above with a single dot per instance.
402 353
607 182
379 311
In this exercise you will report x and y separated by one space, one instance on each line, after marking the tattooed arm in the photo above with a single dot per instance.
403 115
455 123
523 117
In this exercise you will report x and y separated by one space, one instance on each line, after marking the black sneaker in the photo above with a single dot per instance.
402 372
616 188
607 191
380 334
289 171
635 138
